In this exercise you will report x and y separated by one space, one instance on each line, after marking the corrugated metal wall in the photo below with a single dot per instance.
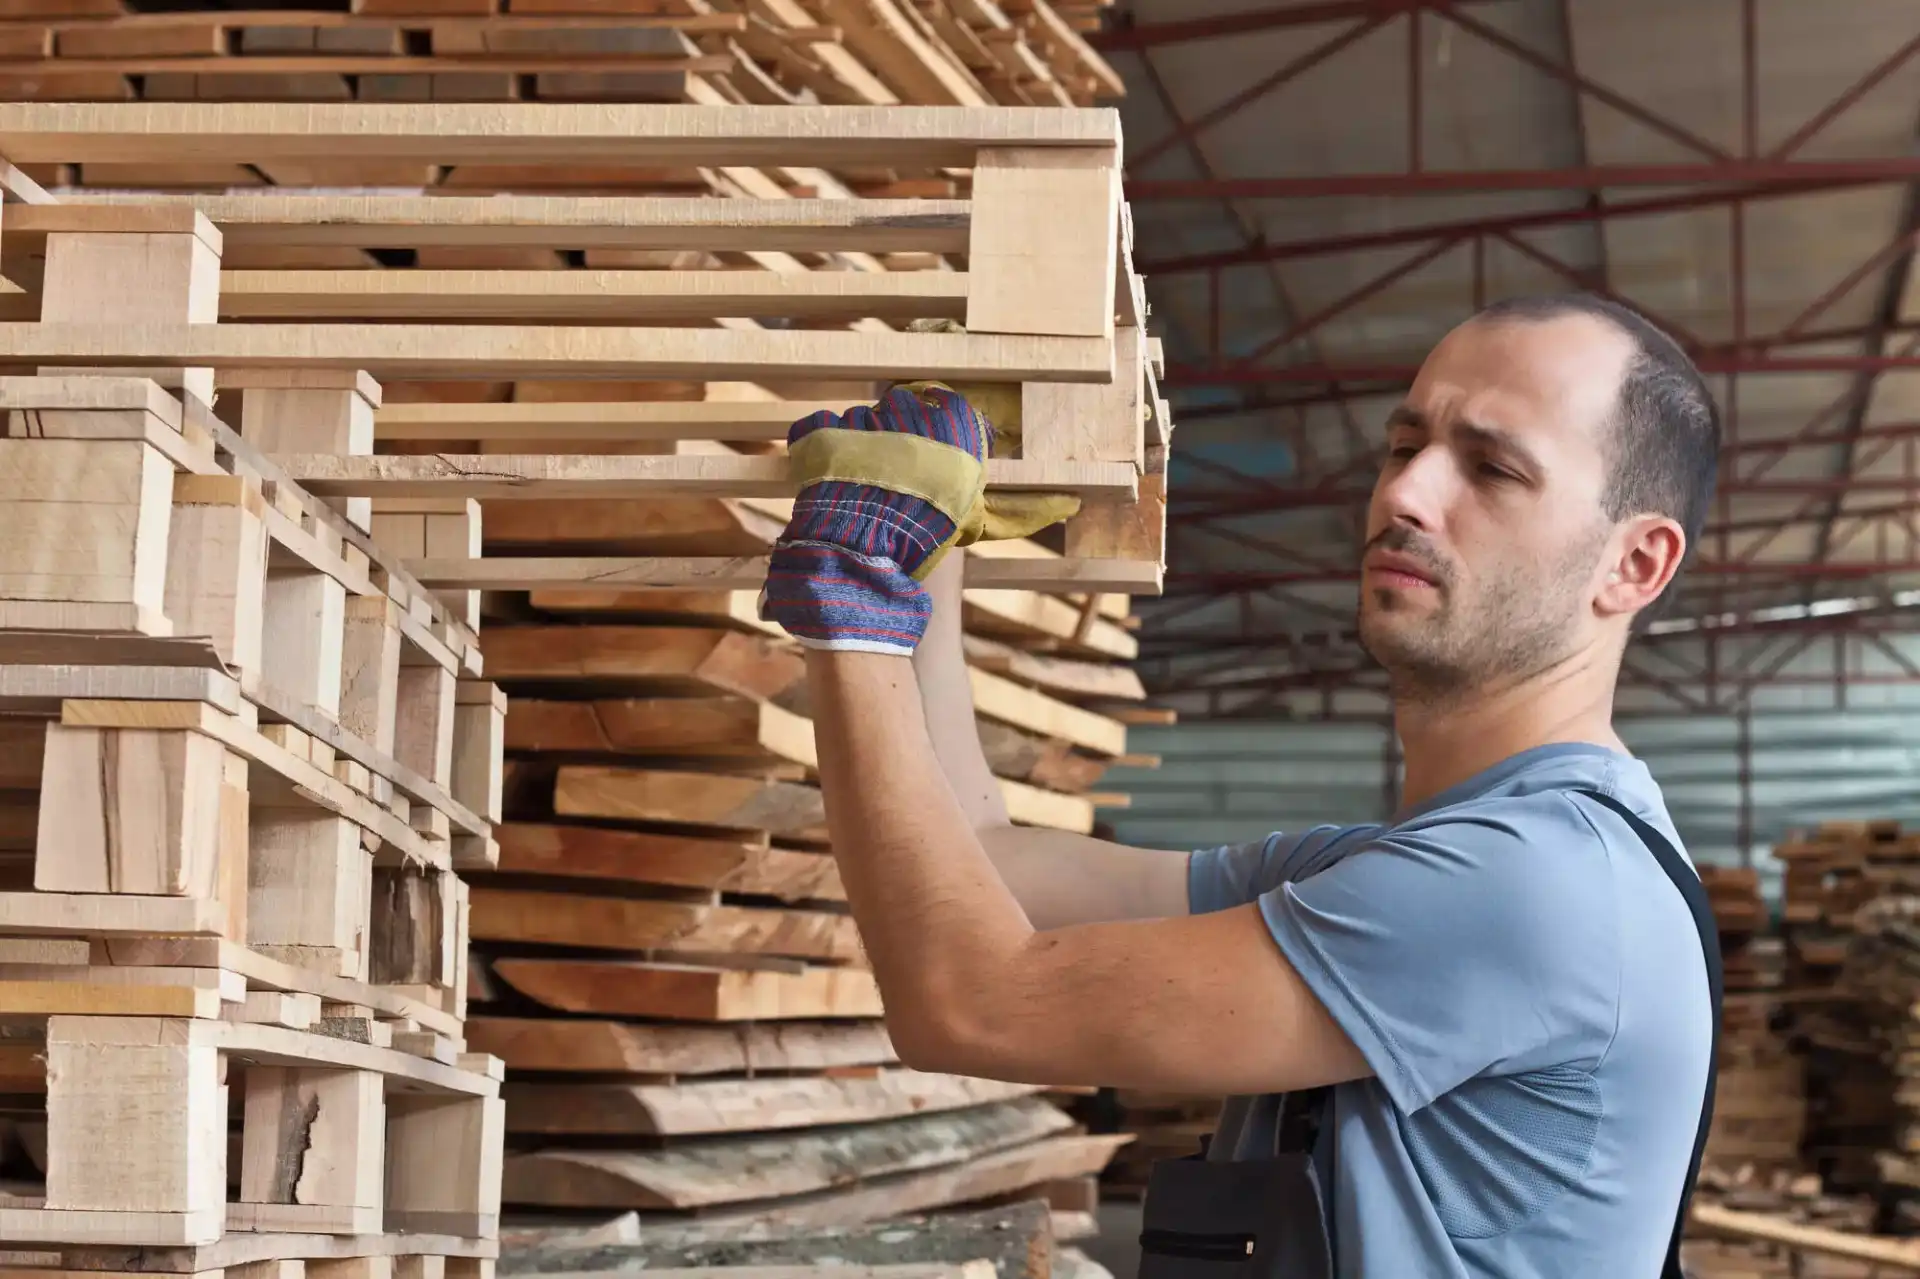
1227 781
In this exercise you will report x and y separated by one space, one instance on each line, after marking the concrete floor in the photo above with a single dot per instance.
1117 1245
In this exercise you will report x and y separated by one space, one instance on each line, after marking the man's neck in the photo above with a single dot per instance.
1445 743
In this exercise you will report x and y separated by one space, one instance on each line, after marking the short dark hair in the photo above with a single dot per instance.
1664 452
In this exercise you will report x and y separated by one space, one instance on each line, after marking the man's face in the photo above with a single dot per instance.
1486 532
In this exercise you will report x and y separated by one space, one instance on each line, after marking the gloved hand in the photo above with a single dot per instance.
885 491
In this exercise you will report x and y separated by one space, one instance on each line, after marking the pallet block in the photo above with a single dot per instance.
1047 300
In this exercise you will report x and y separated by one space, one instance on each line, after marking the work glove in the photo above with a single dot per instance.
884 492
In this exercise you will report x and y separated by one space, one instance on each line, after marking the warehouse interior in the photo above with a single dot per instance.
606 918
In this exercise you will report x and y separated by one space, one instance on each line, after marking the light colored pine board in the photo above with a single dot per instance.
915 136
585 296
535 475
276 1045
616 574
561 221
737 1170
630 422
689 993
1061 676
638 924
242 1249
651 1048
101 914
39 689
687 1108
493 352
1019 614
261 970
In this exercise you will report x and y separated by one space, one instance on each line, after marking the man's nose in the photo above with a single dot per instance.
1416 492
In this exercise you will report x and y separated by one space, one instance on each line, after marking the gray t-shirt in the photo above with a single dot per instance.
1528 988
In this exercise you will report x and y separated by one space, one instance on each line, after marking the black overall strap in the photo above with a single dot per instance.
1695 895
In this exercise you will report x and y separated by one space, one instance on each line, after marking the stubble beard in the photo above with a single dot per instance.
1515 627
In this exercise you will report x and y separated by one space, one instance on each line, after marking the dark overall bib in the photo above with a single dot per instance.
1214 1216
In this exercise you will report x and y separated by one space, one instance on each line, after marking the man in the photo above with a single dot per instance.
1504 986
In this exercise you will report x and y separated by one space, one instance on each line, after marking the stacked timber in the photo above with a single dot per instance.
526 449
1829 874
245 755
1760 1103
776 52
668 966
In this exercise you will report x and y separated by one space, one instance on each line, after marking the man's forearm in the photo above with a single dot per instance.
946 699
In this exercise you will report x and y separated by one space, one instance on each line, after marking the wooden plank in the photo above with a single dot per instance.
1016 1239
1044 241
693 799
742 1105
638 924
615 574
685 992
647 1048
829 136
262 970
494 352
276 1045
1062 676
243 1248
673 861
567 297
676 727
644 659
736 1170
560 221
614 422
40 689
536 475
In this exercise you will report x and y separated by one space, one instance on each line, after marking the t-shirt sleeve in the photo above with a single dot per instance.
1470 944
1232 875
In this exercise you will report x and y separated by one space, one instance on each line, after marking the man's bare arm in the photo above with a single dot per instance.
1199 1004
1058 877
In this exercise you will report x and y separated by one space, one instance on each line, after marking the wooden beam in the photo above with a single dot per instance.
279 220
625 422
538 134
576 296
496 352
748 572
541 475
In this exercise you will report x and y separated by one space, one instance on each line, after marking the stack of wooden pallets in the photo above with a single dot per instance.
1785 1227
244 754
664 915
773 52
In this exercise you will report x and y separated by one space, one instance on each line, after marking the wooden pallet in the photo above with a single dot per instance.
1048 301
970 54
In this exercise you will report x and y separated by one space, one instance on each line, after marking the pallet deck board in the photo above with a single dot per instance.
493 352
270 220
548 134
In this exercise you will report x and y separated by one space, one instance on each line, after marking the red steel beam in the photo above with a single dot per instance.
1253 580
1403 374
1150 35
1359 243
1587 178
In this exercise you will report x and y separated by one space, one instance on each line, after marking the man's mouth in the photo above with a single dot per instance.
1398 572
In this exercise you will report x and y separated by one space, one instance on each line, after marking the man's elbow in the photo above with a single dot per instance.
952 1032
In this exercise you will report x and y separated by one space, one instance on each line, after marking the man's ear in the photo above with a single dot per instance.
1647 552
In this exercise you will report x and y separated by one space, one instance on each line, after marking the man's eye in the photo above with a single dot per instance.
1492 472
